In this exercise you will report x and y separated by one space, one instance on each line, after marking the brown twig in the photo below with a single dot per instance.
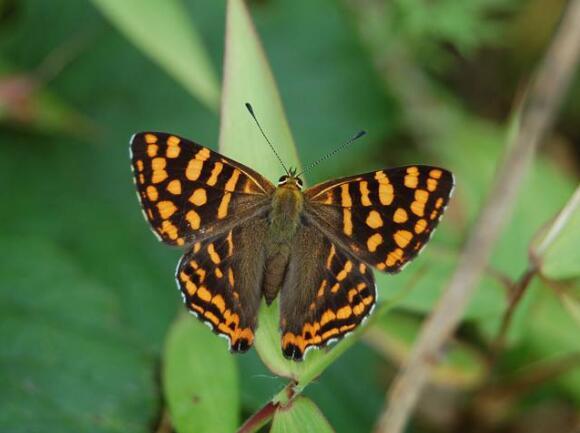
259 419
516 295
538 112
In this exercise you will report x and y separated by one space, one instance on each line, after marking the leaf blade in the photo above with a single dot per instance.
200 380
160 29
301 415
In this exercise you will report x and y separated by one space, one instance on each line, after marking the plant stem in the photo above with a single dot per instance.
515 297
259 419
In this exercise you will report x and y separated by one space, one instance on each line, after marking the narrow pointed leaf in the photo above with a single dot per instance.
164 32
558 252
248 78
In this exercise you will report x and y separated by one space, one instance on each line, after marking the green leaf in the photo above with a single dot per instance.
200 380
161 29
552 333
248 78
68 360
301 415
559 251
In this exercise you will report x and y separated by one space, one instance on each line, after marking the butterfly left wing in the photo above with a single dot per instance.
220 279
384 218
189 192
327 293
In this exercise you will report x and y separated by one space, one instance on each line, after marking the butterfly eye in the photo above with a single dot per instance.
282 180
299 182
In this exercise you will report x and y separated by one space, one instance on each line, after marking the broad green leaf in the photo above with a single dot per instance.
248 78
163 31
301 415
68 360
559 251
200 380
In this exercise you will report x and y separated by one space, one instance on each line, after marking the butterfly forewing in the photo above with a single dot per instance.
188 192
384 217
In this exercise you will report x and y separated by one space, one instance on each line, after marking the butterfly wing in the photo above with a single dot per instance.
187 191
193 196
221 278
385 217
327 293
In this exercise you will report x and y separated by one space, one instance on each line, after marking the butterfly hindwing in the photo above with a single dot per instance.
188 191
384 217
220 279
327 293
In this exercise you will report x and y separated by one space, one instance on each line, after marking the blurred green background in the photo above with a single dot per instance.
87 294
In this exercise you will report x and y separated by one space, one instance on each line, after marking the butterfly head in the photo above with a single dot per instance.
291 180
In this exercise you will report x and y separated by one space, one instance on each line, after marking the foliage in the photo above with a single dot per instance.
93 340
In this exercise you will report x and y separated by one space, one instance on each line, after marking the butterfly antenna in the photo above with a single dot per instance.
251 110
335 151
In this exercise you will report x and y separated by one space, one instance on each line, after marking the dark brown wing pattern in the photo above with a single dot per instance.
385 217
327 294
199 198
221 280
382 219
188 191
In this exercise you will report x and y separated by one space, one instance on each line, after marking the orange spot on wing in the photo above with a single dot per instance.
152 193
199 197
174 187
193 170
232 181
150 138
347 221
213 255
400 216
374 220
193 219
223 207
364 193
217 169
204 294
166 208
345 196
374 241
420 226
403 237
435 173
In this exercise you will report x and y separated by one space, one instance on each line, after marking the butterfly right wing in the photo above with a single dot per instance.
385 217
220 279
187 191
326 295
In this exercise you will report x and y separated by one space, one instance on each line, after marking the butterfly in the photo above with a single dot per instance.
246 239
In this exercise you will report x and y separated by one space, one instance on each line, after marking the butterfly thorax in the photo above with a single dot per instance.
284 220
287 203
